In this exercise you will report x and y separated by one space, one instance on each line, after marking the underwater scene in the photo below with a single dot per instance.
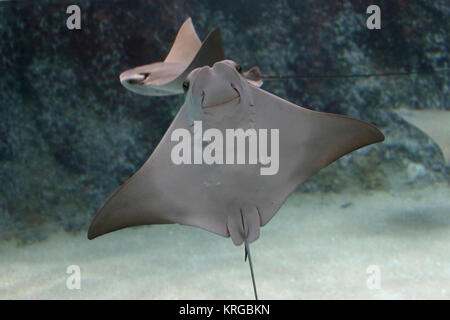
174 149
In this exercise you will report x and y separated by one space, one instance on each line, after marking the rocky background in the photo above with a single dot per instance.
70 134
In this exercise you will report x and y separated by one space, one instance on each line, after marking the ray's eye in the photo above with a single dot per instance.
238 68
186 86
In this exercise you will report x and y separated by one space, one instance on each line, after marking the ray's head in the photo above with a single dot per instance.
152 79
218 94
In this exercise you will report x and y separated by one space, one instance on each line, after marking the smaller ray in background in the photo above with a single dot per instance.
187 53
434 123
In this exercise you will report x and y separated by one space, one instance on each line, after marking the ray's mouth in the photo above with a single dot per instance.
136 79
238 96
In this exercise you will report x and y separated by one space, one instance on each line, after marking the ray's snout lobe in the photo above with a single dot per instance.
214 95
131 78
216 86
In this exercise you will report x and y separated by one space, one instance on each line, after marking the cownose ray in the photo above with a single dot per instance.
231 200
434 123
187 53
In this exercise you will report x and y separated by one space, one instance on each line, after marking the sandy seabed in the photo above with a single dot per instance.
316 247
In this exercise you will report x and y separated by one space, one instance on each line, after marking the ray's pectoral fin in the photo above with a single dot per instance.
130 206
186 44
244 225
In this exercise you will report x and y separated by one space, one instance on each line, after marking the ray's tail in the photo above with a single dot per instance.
254 74
247 254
